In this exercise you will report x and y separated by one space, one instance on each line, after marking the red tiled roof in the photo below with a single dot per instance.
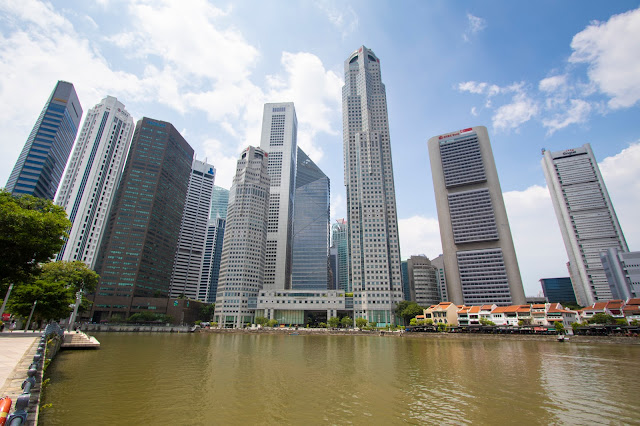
615 304
635 301
486 307
539 306
524 308
474 309
500 310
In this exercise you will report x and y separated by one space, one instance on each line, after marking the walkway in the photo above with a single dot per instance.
14 348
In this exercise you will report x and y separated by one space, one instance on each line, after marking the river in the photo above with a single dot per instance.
206 379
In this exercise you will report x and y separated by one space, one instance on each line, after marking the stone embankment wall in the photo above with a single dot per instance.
132 328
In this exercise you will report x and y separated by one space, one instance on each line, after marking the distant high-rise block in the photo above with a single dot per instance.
213 246
242 268
406 289
438 262
623 272
479 256
279 141
310 269
340 240
371 201
139 245
188 264
89 184
39 167
558 290
587 220
423 281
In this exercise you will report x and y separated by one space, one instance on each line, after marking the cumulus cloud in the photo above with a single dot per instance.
419 235
578 112
341 15
610 50
510 116
474 26
552 84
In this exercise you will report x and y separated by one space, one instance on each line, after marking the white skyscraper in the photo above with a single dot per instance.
587 220
279 141
479 257
92 176
188 264
371 202
245 241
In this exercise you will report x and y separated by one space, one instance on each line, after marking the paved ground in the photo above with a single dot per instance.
13 347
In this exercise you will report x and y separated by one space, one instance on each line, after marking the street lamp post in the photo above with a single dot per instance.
72 320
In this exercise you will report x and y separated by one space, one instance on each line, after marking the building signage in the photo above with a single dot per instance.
449 135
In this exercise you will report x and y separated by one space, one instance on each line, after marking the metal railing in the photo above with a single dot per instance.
19 416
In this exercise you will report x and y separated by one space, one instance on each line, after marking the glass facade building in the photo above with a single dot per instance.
558 290
139 246
39 167
310 269
340 240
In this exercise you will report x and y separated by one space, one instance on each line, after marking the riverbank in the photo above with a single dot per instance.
453 336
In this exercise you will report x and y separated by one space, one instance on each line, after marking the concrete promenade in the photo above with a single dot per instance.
16 354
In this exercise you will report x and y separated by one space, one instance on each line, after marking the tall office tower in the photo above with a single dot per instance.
309 266
41 163
438 262
333 268
374 245
213 245
586 217
188 264
279 141
406 290
423 281
139 245
623 272
479 256
242 269
558 290
89 184
340 240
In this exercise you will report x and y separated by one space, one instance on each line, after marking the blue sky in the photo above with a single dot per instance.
536 74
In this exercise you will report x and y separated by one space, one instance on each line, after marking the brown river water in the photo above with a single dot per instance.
245 379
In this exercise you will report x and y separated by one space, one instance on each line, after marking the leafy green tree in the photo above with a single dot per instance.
322 325
621 321
346 322
334 322
559 326
372 325
31 232
261 321
407 310
361 322
485 321
442 327
413 321
272 323
75 275
53 298
147 317
206 312
634 323
428 321
601 318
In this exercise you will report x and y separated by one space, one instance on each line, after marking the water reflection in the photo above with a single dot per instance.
280 379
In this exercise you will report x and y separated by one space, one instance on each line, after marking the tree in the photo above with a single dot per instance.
559 326
346 322
361 322
75 275
601 318
334 322
413 321
484 321
407 310
53 297
31 232
261 321
206 312
322 325
272 323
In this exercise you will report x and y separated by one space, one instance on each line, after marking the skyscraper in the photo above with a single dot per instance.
371 202
213 245
558 290
423 281
89 184
242 268
279 141
41 163
438 263
587 220
479 256
188 264
340 240
139 246
310 269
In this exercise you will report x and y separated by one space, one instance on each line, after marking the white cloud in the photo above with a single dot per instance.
481 88
475 25
552 84
611 51
225 164
338 205
341 15
536 236
474 111
519 111
419 235
578 112
621 175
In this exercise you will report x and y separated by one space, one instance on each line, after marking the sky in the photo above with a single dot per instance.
542 74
